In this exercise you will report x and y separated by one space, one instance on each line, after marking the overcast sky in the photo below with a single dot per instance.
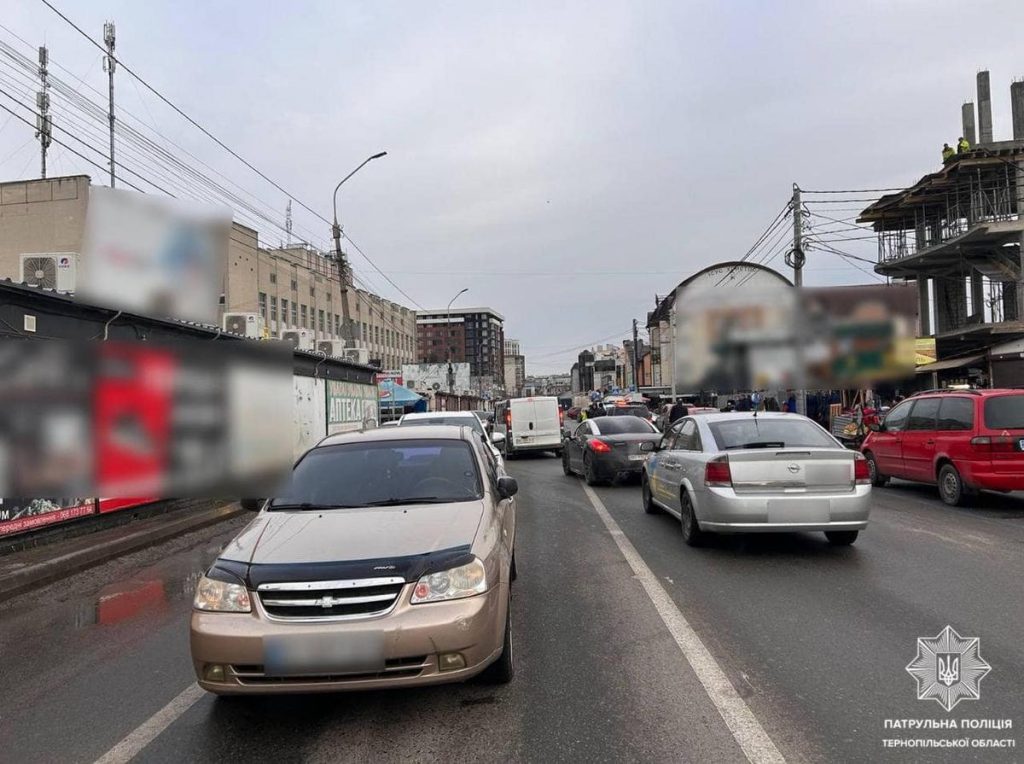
565 161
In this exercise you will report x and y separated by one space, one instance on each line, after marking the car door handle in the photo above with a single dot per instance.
670 465
929 442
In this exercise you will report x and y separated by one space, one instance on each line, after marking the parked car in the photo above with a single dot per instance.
962 441
608 448
529 424
741 472
457 419
386 562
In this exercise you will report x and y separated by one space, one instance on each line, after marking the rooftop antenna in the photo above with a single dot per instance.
44 126
109 64
288 221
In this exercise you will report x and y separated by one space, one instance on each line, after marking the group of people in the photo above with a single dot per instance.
962 147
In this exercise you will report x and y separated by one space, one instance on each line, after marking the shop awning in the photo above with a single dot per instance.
950 363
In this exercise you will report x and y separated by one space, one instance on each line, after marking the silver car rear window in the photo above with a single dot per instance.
751 432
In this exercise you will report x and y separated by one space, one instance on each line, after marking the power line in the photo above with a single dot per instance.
779 219
853 191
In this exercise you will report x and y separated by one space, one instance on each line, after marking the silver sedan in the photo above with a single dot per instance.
741 473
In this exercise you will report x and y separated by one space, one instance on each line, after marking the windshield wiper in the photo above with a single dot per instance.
309 505
759 444
397 501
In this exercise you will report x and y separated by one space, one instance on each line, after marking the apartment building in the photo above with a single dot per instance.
472 335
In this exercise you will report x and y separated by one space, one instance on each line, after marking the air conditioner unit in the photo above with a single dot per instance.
334 348
357 355
356 344
246 324
55 270
300 339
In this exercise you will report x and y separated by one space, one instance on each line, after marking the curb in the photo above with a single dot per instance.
43 573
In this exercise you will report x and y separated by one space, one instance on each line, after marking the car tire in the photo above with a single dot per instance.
645 496
503 669
692 534
952 490
565 463
588 470
841 538
877 478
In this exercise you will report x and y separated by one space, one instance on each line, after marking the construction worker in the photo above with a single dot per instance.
962 146
947 153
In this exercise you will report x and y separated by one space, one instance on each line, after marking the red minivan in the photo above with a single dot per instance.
962 440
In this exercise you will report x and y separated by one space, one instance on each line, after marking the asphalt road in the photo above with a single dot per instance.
813 641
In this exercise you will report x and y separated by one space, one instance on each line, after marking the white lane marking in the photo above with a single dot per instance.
147 732
740 720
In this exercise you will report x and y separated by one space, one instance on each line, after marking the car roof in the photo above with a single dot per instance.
438 415
984 393
379 434
732 416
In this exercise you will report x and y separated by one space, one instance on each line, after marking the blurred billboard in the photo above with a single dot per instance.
153 255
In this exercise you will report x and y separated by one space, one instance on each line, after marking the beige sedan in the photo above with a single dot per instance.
387 562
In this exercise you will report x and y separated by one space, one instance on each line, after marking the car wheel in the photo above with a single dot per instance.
841 538
692 534
877 478
645 496
951 486
565 463
588 470
503 669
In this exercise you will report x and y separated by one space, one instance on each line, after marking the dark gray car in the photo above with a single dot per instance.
607 448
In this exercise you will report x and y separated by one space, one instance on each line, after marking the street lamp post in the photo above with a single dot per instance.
346 329
448 341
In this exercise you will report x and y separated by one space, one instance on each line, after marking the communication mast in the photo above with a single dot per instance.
109 64
44 125
288 221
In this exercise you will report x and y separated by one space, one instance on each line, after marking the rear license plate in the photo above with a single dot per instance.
311 654
637 457
792 511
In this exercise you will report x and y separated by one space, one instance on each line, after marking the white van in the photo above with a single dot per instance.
529 424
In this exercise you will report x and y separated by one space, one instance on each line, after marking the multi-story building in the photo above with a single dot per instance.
515 374
291 287
464 335
512 347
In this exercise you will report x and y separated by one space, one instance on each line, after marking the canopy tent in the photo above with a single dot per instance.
399 400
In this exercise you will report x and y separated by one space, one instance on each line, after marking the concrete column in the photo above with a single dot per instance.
967 120
924 307
1010 290
977 295
984 109
1020 238
1017 107
950 303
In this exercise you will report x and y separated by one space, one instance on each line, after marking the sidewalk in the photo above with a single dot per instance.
38 566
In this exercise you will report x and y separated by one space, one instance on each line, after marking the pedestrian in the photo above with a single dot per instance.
678 411
947 152
791 403
962 146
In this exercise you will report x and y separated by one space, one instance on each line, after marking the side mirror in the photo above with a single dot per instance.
876 427
497 438
251 505
648 447
507 487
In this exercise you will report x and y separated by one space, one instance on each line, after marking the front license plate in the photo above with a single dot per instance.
637 457
790 511
319 654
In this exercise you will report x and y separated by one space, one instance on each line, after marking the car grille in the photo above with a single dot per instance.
334 600
395 668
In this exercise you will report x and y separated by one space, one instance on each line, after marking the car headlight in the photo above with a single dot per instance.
452 584
221 596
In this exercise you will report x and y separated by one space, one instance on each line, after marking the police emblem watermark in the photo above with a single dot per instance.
948 668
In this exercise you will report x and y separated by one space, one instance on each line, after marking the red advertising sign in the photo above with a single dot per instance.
19 515
390 376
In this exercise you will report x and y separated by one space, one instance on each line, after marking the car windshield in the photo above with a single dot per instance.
391 472
1005 412
623 425
764 432
451 421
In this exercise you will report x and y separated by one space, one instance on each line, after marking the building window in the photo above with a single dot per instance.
295 285
263 305
320 322
284 311
273 278
273 309
364 335
337 324
329 293
304 315
312 291
295 313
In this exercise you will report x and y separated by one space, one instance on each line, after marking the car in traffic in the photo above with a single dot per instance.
608 448
963 441
529 424
457 419
756 472
386 561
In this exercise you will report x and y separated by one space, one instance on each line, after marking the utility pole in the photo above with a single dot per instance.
44 126
636 358
109 64
796 259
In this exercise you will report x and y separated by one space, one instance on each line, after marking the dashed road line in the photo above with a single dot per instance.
148 731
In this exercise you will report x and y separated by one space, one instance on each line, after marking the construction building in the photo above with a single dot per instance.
465 335
959 234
